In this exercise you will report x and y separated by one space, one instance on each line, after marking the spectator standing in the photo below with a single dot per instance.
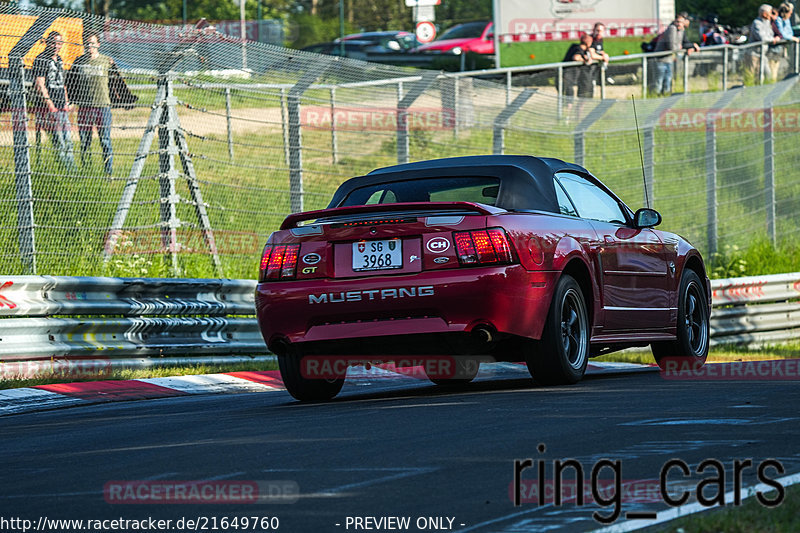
53 115
672 40
93 100
761 31
599 55
581 75
784 21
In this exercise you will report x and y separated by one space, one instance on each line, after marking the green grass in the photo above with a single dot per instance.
717 354
153 372
750 517
519 54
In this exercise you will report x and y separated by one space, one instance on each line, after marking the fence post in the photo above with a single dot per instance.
334 140
456 95
649 149
284 128
508 87
402 127
501 120
560 88
404 101
769 171
762 64
22 165
644 77
603 67
711 185
686 72
296 192
228 118
725 68
583 127
797 57
167 175
769 156
711 171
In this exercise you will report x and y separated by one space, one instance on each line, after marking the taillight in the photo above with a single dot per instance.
279 262
465 248
481 247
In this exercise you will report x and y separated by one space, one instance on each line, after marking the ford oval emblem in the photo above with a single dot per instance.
438 245
312 259
441 259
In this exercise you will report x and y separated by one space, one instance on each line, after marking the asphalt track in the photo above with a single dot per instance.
395 448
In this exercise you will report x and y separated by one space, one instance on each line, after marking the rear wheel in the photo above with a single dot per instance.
466 368
306 389
693 324
562 354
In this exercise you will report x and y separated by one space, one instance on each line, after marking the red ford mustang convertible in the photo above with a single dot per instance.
514 258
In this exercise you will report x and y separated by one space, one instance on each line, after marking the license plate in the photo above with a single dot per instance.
377 255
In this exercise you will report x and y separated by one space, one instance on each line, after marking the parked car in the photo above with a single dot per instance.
475 37
352 49
514 257
385 41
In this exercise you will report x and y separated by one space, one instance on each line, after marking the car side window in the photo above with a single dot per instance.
591 201
565 206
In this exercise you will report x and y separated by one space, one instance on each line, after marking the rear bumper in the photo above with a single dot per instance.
507 299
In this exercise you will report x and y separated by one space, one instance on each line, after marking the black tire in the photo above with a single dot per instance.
466 368
693 324
303 388
561 356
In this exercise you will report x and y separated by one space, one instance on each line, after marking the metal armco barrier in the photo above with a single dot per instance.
146 320
756 310
47 317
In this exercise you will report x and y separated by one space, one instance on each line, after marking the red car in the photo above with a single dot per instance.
514 257
475 37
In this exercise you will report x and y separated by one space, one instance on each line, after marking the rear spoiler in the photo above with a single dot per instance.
480 209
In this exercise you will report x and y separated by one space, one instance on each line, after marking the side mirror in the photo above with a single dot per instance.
647 218
489 36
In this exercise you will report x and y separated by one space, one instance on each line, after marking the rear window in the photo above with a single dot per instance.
481 190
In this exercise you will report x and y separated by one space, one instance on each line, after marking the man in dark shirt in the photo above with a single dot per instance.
598 52
580 75
53 115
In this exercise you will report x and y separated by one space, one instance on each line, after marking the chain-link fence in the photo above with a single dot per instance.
184 152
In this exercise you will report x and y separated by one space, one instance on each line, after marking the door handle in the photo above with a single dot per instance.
609 239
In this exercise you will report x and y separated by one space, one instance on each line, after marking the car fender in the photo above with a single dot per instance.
569 249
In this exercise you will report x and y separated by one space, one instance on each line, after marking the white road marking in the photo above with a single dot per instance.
209 384
692 508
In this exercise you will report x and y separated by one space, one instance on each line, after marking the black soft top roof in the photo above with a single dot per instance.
526 182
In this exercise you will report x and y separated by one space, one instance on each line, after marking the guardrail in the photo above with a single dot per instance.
141 322
49 317
756 310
